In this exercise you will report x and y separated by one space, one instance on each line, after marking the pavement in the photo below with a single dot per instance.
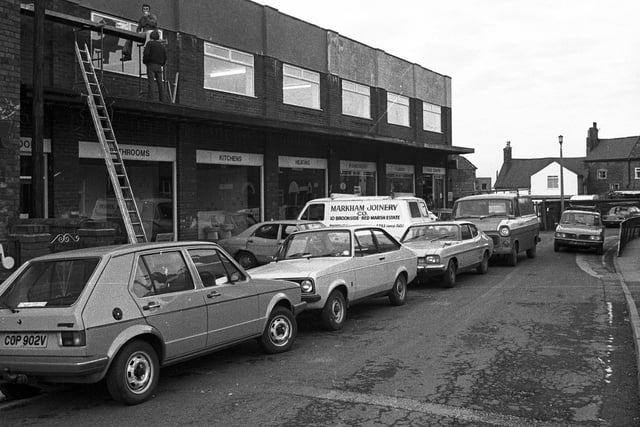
628 269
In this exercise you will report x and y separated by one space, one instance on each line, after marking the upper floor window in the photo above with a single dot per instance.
552 181
636 173
602 174
431 117
614 187
228 70
356 100
300 87
397 109
106 50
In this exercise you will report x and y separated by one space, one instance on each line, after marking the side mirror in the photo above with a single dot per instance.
235 276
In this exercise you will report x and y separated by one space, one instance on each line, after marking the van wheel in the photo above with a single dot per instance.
398 293
512 258
280 331
449 278
484 265
246 260
531 252
134 373
334 313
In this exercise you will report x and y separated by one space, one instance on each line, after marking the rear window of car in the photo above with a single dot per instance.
55 283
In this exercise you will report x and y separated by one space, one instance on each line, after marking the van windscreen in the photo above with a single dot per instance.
314 212
482 208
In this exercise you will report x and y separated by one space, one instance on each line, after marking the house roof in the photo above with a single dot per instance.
613 149
518 172
464 163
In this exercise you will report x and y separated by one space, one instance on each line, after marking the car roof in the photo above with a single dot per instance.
432 223
492 196
582 211
115 250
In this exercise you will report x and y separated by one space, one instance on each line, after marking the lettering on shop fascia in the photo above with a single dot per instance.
229 158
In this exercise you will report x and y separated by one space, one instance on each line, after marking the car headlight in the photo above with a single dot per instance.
594 237
560 235
504 231
306 286
432 259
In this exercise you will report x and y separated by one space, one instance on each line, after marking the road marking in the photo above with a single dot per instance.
581 261
412 405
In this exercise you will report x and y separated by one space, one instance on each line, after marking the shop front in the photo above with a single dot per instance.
400 179
152 174
229 193
359 178
432 187
300 179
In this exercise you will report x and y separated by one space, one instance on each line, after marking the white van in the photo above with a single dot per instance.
393 213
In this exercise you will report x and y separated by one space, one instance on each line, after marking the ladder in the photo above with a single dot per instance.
112 157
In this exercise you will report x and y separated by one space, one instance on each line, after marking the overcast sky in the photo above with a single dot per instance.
522 71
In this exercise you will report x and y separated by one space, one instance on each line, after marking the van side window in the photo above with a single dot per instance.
314 212
415 210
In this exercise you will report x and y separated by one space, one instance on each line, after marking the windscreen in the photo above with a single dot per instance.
482 208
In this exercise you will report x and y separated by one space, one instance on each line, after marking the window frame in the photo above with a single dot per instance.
357 90
602 174
553 179
305 77
429 109
250 65
392 105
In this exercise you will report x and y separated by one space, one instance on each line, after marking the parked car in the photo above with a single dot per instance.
259 243
446 248
121 313
579 229
617 214
340 266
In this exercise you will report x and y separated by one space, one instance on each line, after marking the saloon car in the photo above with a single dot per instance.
617 214
121 313
579 229
259 243
340 266
447 248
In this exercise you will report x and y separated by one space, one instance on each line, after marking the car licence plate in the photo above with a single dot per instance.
24 341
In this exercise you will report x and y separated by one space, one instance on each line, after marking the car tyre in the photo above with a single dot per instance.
134 373
483 267
449 278
334 313
246 260
512 258
14 391
398 293
531 252
280 331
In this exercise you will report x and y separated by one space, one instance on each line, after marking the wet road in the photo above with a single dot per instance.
545 343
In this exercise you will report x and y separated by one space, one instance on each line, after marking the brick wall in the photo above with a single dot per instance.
10 52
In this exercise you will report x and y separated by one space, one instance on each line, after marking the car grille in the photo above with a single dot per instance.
578 236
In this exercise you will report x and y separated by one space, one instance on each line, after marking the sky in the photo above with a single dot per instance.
521 71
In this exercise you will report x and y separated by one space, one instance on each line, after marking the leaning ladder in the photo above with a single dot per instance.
112 156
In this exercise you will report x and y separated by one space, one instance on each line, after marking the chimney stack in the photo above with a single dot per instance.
592 138
506 151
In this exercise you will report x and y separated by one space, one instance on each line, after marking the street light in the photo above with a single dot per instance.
561 177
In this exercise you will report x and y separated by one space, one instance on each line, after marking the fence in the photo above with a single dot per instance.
629 230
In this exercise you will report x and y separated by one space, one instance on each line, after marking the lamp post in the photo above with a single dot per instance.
561 177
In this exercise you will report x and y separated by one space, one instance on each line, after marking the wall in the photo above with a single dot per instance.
539 181
618 172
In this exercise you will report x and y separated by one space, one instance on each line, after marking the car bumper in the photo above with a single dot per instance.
579 243
57 369
431 270
299 308
311 298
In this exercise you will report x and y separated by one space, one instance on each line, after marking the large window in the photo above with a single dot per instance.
228 70
431 117
300 87
356 100
552 181
397 109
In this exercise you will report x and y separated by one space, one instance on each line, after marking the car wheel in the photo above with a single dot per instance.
18 391
334 312
246 260
556 247
280 332
531 252
484 265
512 258
134 374
398 293
449 278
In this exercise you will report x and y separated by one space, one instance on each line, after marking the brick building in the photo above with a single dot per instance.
262 119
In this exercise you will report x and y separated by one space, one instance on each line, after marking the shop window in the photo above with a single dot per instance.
356 100
228 70
602 174
552 181
300 87
297 186
431 117
397 109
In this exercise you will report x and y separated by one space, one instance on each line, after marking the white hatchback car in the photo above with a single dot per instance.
339 266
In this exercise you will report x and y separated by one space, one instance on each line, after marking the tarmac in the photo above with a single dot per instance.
628 270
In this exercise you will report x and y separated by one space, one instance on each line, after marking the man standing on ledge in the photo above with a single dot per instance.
154 57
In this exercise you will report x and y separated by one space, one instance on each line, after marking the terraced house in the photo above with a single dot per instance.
263 112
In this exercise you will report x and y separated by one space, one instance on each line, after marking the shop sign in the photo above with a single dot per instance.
432 170
346 165
400 169
301 162
228 158
93 150
25 145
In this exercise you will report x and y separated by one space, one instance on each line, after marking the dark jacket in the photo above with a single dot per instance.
147 22
154 53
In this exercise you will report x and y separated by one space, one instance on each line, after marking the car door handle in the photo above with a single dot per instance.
151 306
382 258
250 241
213 294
